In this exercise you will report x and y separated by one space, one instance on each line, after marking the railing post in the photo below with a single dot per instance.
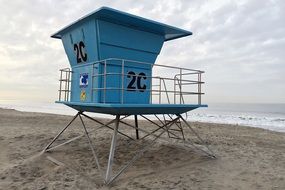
199 88
150 88
174 88
166 91
159 90
60 81
92 78
180 86
68 86
122 82
65 86
105 77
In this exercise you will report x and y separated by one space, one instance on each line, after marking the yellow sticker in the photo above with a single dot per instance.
83 95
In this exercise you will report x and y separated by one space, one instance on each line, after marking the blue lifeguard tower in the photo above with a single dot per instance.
112 56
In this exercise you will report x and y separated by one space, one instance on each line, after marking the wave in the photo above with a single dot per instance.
265 122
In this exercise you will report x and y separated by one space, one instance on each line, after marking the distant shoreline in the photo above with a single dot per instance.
199 115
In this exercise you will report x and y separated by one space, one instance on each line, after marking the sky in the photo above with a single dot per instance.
239 44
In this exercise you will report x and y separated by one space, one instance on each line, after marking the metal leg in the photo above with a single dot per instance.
47 148
109 177
112 151
211 154
137 126
142 150
91 146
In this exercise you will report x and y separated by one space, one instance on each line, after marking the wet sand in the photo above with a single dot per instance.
247 158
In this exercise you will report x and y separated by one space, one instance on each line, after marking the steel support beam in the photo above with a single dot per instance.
137 126
112 150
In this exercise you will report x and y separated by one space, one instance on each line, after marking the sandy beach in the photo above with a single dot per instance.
247 158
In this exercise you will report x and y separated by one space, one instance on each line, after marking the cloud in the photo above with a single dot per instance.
240 44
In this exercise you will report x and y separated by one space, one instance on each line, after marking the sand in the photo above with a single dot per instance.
247 158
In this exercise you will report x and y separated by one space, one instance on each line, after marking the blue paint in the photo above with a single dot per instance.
129 20
130 109
108 33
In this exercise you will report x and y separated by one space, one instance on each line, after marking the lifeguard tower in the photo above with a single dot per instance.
112 56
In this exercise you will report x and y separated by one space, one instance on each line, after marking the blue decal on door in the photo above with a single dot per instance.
83 83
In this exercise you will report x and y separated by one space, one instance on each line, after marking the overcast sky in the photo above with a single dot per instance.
240 44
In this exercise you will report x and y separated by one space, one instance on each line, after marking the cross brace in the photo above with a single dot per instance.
108 176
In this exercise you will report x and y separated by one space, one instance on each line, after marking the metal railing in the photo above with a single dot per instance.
64 84
168 84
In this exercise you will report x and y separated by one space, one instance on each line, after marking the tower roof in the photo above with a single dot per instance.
129 20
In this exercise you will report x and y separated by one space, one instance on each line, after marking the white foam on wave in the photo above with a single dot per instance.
265 122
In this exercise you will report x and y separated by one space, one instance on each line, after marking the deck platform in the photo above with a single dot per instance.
132 109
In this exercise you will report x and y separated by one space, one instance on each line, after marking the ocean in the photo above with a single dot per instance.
267 116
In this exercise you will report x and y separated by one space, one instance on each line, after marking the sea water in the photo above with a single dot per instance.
267 116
